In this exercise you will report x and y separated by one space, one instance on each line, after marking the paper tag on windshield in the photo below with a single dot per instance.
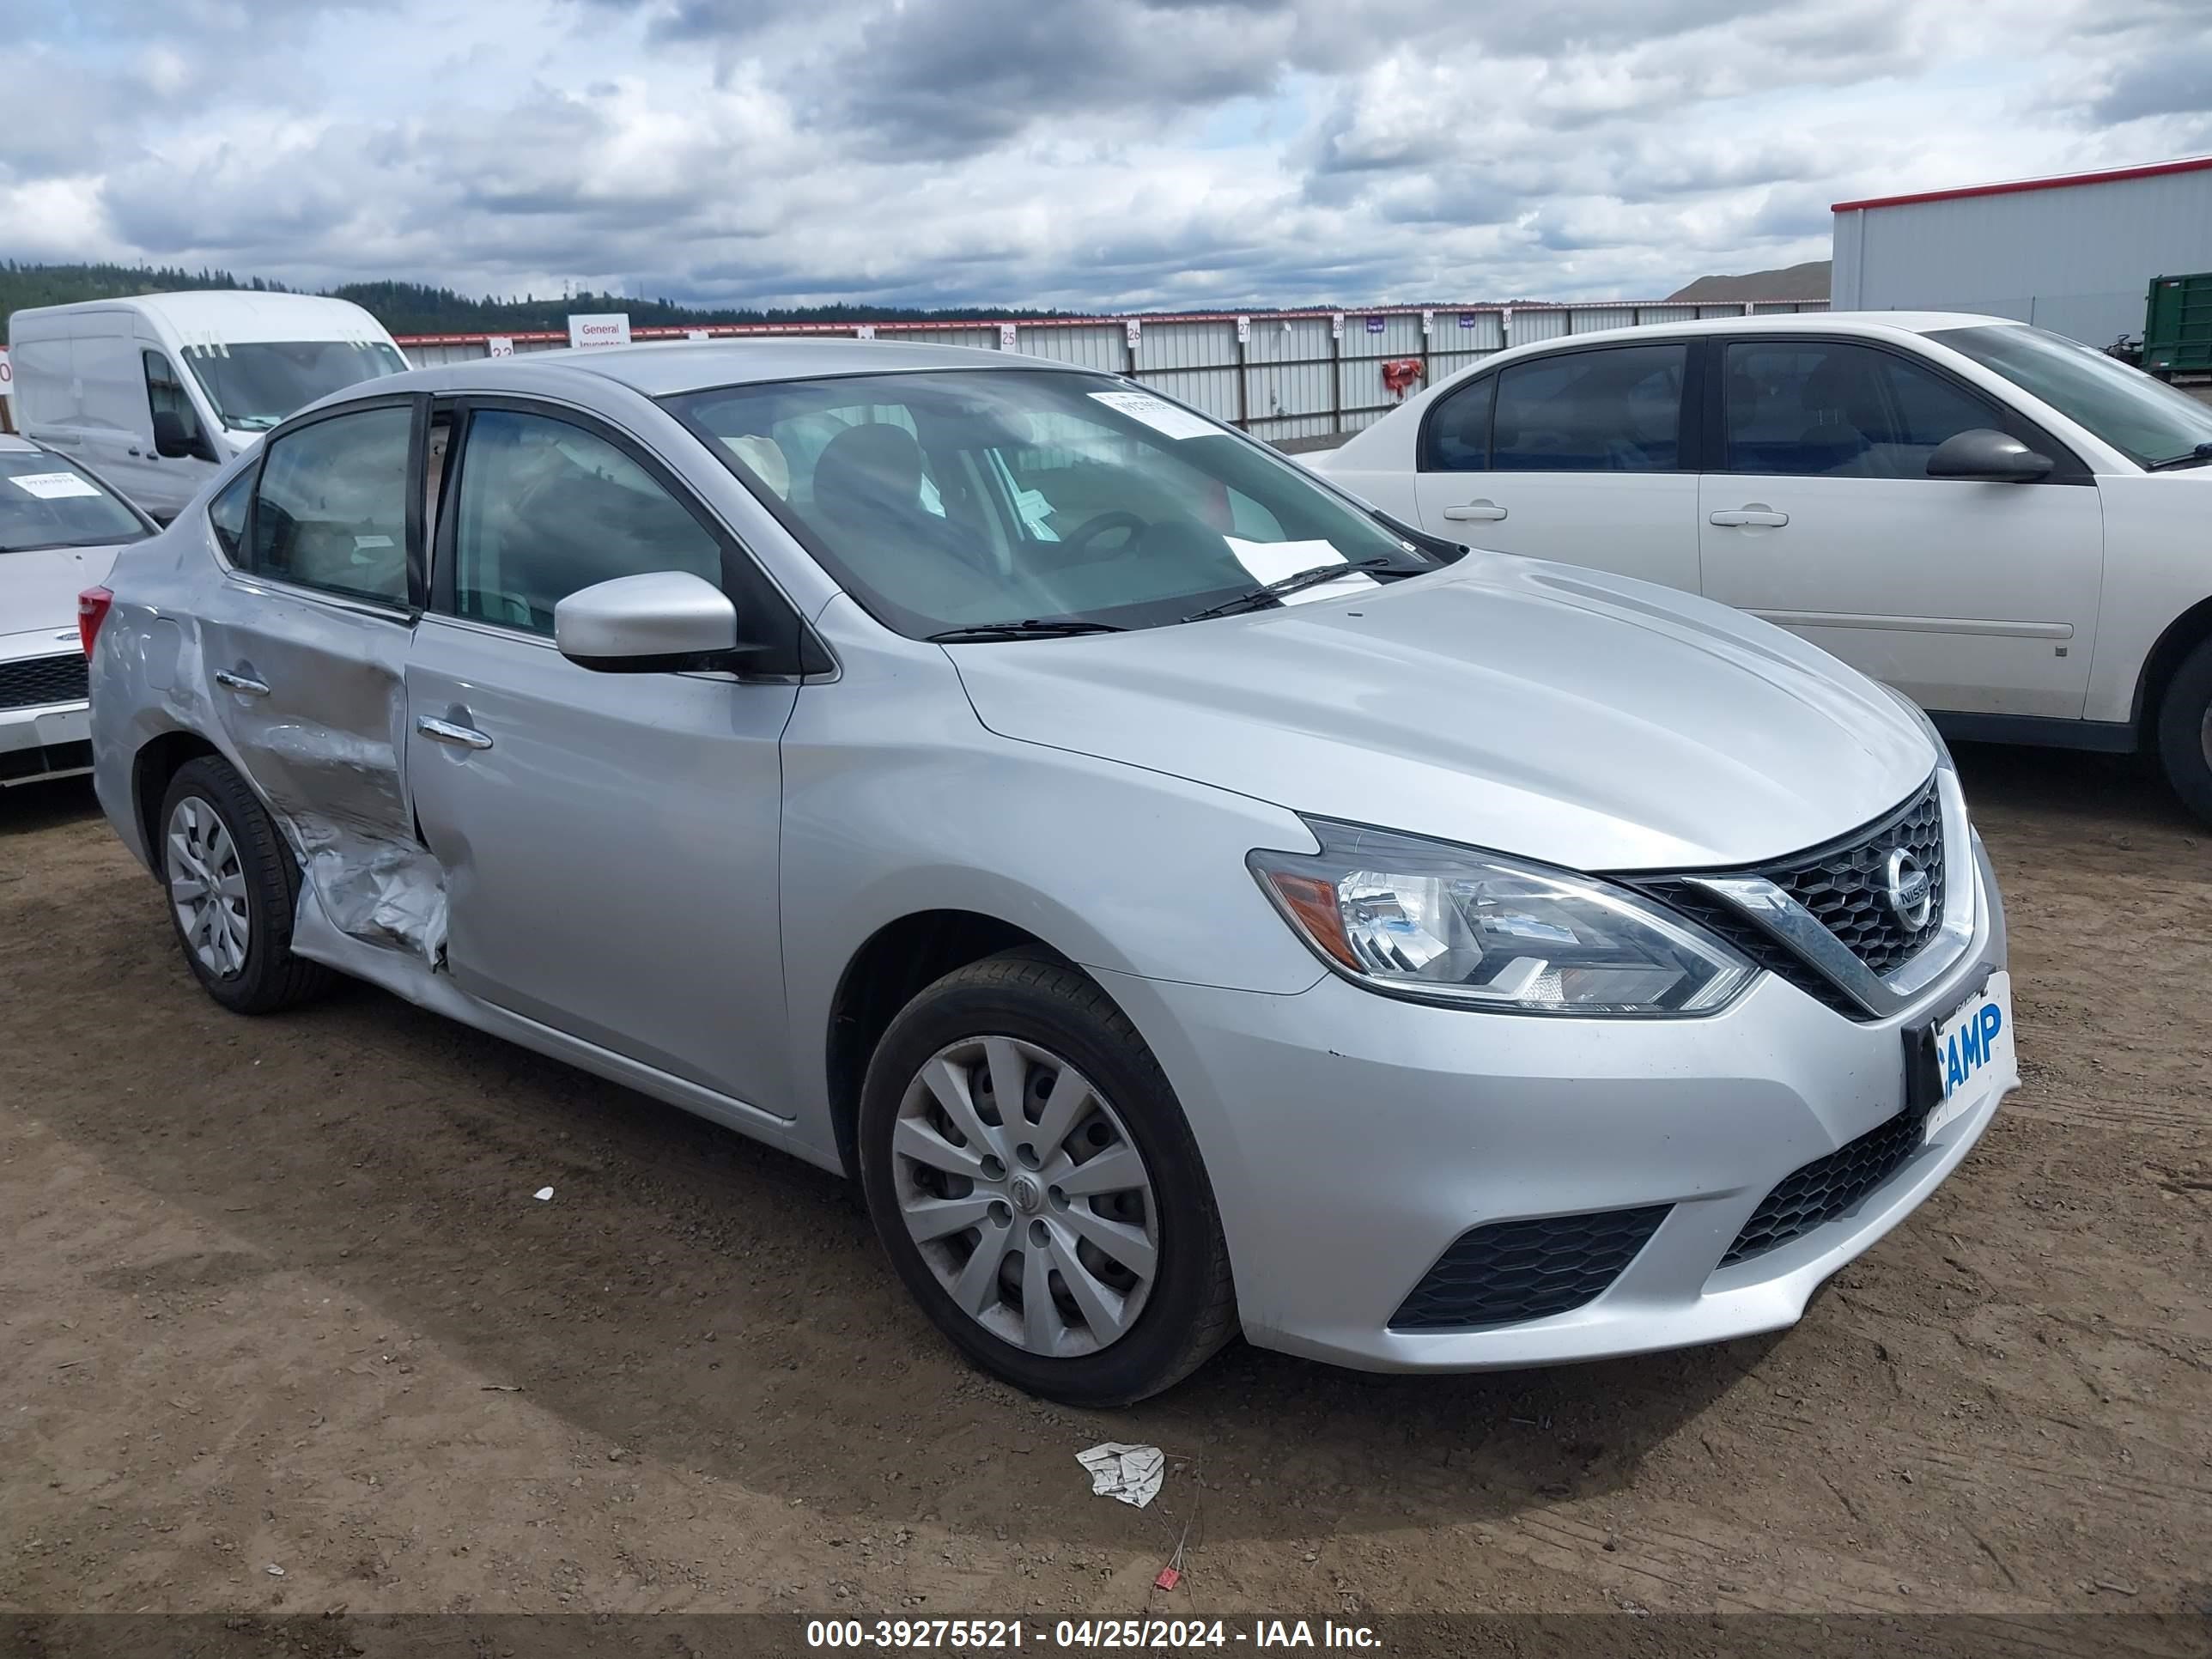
1162 416
361 541
1270 562
53 486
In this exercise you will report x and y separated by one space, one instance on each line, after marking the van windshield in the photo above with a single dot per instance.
255 385
44 501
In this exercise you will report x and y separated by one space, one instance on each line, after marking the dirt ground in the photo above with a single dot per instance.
276 1295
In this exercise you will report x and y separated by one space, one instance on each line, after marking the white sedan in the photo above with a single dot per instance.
59 529
2012 529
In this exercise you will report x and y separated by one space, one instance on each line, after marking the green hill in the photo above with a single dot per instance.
420 309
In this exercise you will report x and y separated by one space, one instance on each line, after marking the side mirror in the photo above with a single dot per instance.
650 624
1987 456
171 439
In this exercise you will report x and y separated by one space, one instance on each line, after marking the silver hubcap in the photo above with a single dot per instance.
208 887
1027 1196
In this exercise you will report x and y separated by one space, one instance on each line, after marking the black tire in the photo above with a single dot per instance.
2185 730
270 977
1190 1311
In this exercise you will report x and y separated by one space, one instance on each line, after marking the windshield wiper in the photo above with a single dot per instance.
2196 457
1295 582
1031 630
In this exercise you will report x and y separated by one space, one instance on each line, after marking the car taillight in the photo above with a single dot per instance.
91 611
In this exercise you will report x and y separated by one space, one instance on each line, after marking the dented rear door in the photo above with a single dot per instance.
305 648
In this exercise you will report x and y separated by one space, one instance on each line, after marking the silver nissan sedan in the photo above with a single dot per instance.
1189 900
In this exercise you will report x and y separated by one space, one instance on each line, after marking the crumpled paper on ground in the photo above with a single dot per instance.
1131 1473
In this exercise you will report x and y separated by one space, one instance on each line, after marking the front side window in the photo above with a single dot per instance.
1615 409
166 394
253 385
546 507
331 509
46 501
1831 409
2146 420
953 499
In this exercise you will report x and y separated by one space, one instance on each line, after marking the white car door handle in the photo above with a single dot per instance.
466 736
1755 513
1484 510
243 684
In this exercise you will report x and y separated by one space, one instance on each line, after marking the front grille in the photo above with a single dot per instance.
36 680
1512 1271
1841 883
1827 1187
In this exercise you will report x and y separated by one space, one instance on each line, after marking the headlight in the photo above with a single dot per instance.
1438 923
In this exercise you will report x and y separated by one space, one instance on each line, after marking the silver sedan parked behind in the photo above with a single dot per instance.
1189 902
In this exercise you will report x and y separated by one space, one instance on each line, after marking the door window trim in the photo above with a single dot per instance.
2067 467
418 405
1685 427
810 659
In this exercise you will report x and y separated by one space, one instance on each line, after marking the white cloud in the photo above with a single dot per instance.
1085 155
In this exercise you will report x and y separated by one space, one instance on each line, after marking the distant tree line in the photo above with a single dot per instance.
420 309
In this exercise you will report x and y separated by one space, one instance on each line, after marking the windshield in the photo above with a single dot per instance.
45 501
2146 420
956 499
255 385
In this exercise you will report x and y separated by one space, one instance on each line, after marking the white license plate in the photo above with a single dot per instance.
65 725
1974 1052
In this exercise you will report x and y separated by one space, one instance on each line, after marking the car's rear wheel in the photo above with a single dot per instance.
1035 1184
232 884
2185 730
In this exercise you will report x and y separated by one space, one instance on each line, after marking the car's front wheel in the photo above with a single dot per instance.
1037 1186
232 884
2185 730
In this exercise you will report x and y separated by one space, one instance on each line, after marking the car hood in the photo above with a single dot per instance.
1553 712
38 595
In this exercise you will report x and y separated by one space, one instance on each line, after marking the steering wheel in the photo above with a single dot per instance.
1092 529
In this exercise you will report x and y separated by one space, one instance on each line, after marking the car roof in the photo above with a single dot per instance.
1874 324
668 366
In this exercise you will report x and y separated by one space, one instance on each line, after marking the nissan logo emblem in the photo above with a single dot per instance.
1910 893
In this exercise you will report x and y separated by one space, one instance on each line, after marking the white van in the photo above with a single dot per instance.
154 393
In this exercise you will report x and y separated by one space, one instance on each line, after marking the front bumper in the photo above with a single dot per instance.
53 741
1352 1138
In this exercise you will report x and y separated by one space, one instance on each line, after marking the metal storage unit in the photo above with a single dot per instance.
2071 254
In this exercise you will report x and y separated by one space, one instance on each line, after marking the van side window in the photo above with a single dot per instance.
227 514
331 509
164 391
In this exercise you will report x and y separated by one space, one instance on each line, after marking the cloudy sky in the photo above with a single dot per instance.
1073 154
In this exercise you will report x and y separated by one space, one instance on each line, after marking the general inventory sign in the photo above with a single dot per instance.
605 328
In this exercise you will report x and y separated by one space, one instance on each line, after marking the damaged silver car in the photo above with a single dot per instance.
1189 900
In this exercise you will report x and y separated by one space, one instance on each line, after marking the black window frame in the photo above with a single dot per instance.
1689 426
417 572
2067 467
147 354
784 645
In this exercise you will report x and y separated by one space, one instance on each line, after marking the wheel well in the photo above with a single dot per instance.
885 975
150 772
2186 632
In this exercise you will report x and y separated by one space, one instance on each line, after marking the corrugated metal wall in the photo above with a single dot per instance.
2075 259
1294 374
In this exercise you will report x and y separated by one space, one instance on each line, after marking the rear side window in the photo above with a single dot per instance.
1615 409
330 511
1458 429
227 514
1831 409
546 507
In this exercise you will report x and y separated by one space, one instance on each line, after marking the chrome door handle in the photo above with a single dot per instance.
1755 513
465 736
1486 510
243 684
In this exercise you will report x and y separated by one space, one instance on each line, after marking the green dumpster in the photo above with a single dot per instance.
2177 325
